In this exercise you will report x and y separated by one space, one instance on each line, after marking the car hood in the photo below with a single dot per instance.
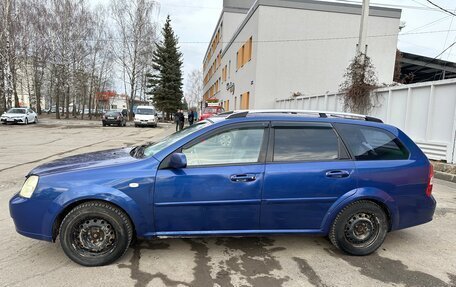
13 115
86 161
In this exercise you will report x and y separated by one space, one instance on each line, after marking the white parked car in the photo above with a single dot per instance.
146 116
19 115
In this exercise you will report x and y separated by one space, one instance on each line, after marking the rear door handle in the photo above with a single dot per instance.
337 174
243 177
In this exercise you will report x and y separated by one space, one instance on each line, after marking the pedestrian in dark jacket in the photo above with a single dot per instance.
177 117
181 120
191 117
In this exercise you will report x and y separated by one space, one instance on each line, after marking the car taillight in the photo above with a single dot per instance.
430 181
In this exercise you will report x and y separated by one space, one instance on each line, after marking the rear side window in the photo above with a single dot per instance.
305 144
366 143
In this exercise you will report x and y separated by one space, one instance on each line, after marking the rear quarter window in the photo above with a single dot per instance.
368 143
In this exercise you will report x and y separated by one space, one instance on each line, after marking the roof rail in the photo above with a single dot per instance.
321 114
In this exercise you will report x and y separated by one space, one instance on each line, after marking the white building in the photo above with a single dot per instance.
268 49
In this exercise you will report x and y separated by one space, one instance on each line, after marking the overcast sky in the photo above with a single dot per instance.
194 21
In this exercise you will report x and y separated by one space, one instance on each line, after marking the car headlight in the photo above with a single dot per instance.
29 186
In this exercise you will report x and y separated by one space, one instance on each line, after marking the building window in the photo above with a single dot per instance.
242 55
247 51
235 103
245 101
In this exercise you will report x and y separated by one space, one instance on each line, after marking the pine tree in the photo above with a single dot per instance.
165 83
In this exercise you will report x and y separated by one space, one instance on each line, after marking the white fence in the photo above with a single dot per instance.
425 111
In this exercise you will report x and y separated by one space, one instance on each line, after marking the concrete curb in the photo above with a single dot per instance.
445 176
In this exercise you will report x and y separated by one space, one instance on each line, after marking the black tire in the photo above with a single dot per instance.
360 228
82 228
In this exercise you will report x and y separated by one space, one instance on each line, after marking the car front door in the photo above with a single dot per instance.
307 170
220 189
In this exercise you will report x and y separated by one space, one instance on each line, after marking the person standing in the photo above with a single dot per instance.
181 120
191 117
177 120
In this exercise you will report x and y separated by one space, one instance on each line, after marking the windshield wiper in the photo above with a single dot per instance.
138 151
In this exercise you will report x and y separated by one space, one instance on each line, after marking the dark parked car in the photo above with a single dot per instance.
348 177
114 118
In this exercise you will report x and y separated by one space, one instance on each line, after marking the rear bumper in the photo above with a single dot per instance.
29 218
416 212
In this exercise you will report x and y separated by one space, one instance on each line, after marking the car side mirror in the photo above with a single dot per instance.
177 161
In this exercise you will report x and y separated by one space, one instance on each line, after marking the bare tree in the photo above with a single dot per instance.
7 53
136 33
194 89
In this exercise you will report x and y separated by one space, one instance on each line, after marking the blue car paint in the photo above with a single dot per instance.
191 207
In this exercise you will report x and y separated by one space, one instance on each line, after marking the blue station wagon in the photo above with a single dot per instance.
348 177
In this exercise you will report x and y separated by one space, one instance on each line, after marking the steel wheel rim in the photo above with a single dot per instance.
93 236
362 229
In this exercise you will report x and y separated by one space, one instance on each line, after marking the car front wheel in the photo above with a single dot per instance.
360 228
95 233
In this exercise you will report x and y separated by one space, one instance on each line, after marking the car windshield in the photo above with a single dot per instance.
16 111
145 112
158 146
112 114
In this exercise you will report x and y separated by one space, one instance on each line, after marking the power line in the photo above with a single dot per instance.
394 5
289 40
429 24
441 8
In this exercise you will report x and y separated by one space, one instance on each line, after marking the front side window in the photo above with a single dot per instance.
305 144
236 146
154 148
367 143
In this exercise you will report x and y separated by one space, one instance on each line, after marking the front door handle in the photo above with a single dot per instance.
337 174
243 177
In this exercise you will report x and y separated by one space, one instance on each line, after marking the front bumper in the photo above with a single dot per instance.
12 121
30 217
146 122
112 122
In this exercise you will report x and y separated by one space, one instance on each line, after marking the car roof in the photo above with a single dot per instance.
301 116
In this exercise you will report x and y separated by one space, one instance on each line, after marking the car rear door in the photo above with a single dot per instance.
308 168
220 189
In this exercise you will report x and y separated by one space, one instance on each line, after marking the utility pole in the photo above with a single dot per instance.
362 42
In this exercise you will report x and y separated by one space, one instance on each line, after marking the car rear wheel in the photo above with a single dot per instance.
95 233
360 228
